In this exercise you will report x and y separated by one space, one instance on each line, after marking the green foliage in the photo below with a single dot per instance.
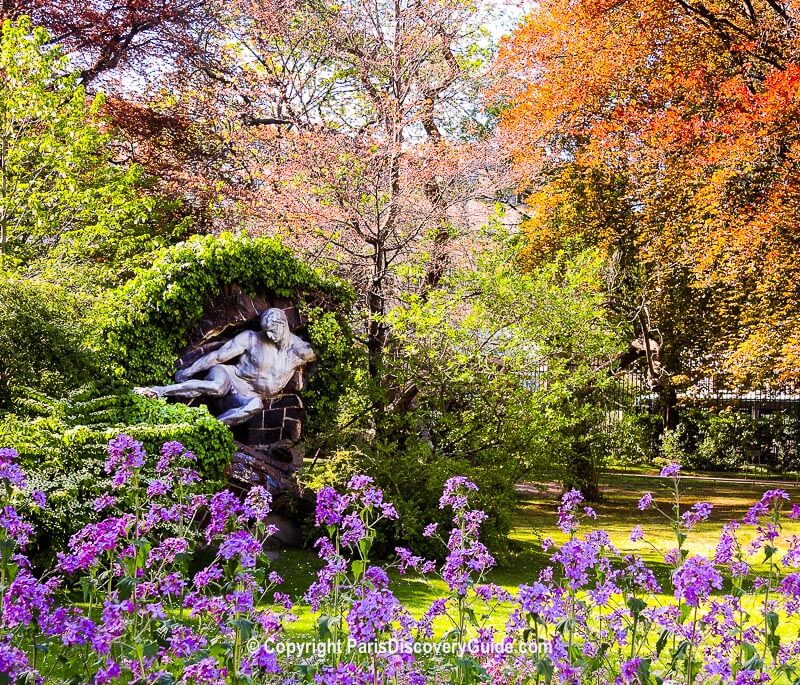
731 440
41 338
62 445
493 376
65 206
710 440
635 438
143 326
413 479
728 441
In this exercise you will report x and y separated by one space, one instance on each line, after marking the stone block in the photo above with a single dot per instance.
287 400
273 418
291 429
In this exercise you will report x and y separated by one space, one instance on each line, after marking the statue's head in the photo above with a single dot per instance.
275 325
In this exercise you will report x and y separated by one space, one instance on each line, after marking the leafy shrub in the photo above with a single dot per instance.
731 440
727 442
635 438
413 478
62 445
41 338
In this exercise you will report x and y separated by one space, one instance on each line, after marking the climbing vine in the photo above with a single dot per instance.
144 325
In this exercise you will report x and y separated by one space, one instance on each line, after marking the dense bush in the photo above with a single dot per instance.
413 478
591 616
62 445
635 437
41 339
709 440
730 440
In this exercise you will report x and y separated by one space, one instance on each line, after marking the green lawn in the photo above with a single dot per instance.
536 520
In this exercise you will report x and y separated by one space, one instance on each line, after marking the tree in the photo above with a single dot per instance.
495 374
65 205
347 129
42 339
102 37
666 133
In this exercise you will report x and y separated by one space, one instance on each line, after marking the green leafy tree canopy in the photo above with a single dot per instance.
64 203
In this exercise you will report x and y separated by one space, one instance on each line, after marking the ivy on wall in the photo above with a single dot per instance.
145 324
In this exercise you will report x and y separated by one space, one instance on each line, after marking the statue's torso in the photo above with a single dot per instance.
265 366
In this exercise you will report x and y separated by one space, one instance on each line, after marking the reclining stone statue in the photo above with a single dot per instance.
250 367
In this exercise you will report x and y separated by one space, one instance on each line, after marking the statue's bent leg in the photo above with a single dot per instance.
242 413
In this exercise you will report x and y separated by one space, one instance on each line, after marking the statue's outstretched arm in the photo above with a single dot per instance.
230 350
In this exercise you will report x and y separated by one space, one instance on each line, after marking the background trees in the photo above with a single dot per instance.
65 205
666 134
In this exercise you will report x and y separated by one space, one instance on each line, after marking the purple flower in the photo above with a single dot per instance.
672 470
207 575
158 488
170 452
15 526
430 530
124 456
637 534
727 544
343 674
258 503
39 499
771 499
330 507
204 672
111 671
183 643
790 585
407 560
577 558
240 543
167 551
630 669
358 483
755 512
13 661
263 659
12 473
695 579
88 545
103 502
569 502
26 599
225 507
353 530
771 496
8 455
455 493
646 501
372 615
699 512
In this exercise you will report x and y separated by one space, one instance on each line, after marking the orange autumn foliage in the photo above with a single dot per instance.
667 132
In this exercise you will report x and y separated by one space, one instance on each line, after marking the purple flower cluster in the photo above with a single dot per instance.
125 455
695 580
595 612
